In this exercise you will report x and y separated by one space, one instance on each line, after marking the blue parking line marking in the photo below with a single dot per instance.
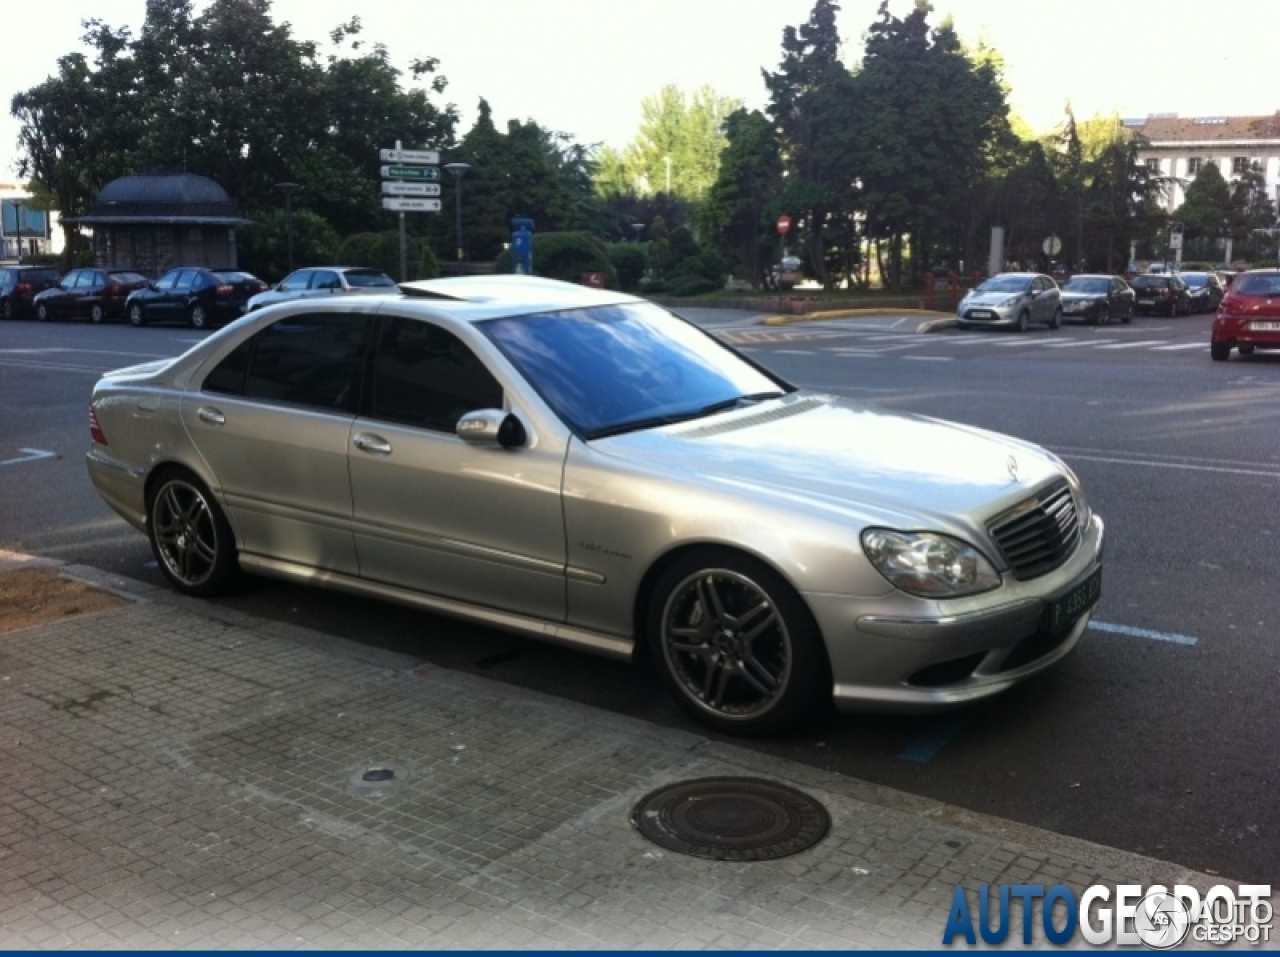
1144 633
937 736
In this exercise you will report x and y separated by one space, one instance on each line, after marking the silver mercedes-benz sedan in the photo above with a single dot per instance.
583 467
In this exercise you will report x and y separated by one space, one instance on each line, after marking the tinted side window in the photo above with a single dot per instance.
311 360
228 376
325 279
168 280
426 377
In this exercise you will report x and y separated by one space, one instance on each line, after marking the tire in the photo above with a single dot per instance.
1055 321
6 309
137 315
42 312
1024 320
199 317
736 645
1104 315
190 537
1220 351
97 313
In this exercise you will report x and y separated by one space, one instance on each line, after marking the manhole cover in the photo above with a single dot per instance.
731 819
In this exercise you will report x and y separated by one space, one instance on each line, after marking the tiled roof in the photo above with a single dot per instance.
1201 129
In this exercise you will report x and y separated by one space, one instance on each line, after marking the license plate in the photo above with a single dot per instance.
1265 326
979 314
1066 610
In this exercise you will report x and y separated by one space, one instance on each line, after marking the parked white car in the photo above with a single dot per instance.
316 281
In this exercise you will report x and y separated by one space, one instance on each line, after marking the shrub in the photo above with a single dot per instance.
565 256
691 286
382 251
630 260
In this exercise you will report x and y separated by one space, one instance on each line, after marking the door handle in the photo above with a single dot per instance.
211 415
373 444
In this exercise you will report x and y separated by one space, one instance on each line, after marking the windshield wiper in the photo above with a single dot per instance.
653 422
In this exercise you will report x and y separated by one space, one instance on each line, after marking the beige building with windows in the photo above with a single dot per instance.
1177 149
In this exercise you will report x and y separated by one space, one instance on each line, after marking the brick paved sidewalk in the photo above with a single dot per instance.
174 775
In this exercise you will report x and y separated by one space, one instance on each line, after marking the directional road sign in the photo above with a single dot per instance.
411 172
408 205
392 188
429 157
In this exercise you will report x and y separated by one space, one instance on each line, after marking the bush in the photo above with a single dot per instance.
263 249
565 256
630 260
691 286
382 251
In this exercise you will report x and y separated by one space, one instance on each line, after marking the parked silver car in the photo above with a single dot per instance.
1014 299
323 281
583 467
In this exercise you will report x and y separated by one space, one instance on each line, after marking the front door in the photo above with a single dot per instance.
436 514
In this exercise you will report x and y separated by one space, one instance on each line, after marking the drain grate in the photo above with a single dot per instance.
731 819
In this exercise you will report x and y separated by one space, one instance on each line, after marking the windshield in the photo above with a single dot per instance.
365 279
1195 280
1006 284
1262 284
1087 285
612 369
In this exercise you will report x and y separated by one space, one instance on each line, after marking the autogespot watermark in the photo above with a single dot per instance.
1130 914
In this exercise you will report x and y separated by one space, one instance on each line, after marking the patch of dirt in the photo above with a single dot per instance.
33 596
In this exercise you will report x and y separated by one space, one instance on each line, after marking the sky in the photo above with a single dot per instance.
583 67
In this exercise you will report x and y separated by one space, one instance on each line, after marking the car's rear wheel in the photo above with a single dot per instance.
199 317
42 312
6 309
736 645
137 315
190 536
1220 351
1126 315
97 313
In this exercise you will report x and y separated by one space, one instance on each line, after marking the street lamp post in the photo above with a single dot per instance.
457 170
289 189
639 228
17 226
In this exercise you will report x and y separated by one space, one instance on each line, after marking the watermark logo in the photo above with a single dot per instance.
1128 915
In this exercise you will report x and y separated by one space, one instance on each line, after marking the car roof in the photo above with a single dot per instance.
488 297
1017 275
1092 275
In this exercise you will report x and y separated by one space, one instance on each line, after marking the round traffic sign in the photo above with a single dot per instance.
1052 246
784 223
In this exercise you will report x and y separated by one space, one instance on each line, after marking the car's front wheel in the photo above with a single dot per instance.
190 536
199 317
137 316
42 312
1055 321
6 309
1104 315
736 645
1024 319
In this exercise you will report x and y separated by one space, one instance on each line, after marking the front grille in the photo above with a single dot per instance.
1038 535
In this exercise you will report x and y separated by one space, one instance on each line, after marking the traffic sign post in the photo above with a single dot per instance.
409 177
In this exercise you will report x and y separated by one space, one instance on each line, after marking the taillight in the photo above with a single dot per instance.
114 291
23 287
95 428
223 291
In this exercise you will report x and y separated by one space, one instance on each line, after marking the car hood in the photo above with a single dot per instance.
1082 296
990 298
838 456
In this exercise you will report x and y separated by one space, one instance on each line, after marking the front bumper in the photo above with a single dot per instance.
891 660
987 315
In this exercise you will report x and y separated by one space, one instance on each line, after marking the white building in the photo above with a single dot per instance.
1177 148
24 230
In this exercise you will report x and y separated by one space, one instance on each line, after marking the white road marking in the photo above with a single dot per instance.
1169 636
931 358
1184 345
1135 345
30 455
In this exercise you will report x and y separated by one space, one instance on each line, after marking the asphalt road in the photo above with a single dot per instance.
1158 735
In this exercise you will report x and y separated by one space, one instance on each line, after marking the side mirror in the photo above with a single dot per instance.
493 427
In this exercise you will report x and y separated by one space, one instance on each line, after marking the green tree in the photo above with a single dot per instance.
1205 211
744 202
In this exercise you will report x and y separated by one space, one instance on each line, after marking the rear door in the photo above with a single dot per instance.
272 421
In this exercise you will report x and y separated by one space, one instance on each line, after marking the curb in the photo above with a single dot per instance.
933 319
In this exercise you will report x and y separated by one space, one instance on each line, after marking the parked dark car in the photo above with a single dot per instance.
1249 316
19 285
196 295
1163 293
1206 290
94 294
1097 299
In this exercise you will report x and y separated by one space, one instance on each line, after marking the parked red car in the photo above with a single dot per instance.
95 294
1249 315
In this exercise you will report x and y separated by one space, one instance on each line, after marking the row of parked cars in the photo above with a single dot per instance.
1020 299
196 295
1246 307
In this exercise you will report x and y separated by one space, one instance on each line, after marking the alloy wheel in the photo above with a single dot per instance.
185 533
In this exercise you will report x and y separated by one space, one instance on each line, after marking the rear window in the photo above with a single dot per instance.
227 276
1262 285
128 277
365 279
1150 282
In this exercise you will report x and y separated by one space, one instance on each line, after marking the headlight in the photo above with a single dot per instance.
928 564
1011 301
